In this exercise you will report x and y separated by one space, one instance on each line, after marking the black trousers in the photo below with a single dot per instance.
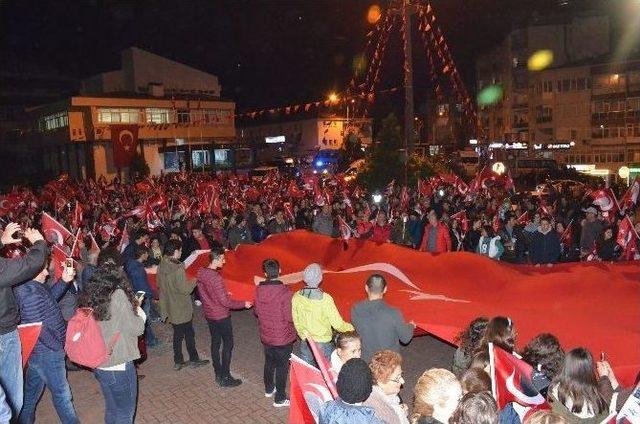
276 364
221 334
180 332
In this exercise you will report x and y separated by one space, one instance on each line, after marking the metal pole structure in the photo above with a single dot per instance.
408 85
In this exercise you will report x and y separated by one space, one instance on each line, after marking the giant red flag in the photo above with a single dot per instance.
55 232
124 139
443 292
512 380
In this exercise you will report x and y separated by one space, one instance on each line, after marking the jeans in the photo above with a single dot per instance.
221 334
11 370
307 355
149 337
180 332
47 368
120 391
276 361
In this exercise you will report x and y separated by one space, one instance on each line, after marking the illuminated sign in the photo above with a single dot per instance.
554 146
278 139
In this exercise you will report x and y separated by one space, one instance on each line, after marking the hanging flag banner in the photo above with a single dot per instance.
125 141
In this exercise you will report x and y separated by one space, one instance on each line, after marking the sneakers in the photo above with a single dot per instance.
270 394
229 382
282 404
198 363
179 366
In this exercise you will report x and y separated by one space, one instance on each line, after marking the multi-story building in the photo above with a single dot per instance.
304 136
564 111
176 120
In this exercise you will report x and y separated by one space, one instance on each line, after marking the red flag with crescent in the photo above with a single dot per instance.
54 232
125 140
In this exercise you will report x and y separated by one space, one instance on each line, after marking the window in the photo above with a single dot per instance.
57 120
581 84
548 86
158 115
565 85
116 115
200 158
183 116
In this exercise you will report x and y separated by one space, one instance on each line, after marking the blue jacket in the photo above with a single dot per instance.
138 276
39 303
544 248
339 412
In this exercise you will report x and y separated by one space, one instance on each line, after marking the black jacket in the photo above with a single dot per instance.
15 271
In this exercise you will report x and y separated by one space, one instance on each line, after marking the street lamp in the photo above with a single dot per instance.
377 198
333 98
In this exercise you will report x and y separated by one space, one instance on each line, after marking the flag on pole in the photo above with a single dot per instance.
29 334
324 367
512 380
630 198
627 239
308 392
55 232
462 217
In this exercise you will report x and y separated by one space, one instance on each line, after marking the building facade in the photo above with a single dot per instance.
583 110
177 118
302 137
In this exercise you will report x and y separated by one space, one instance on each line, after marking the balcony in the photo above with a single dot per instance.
521 125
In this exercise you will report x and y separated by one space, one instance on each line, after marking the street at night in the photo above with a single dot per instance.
320 212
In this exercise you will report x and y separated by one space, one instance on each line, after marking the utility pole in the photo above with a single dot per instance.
407 10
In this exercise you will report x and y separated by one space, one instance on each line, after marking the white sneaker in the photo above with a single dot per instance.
282 404
198 303
270 394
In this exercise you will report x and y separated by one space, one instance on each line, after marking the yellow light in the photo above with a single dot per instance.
540 60
623 172
374 14
498 168
333 98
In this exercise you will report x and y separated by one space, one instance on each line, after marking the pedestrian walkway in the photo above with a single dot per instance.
190 395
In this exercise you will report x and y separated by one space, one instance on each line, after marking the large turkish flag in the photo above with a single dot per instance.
594 305
125 140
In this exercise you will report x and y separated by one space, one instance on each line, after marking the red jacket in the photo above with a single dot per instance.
443 239
381 233
273 309
213 294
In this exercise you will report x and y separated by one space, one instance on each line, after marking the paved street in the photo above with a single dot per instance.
190 396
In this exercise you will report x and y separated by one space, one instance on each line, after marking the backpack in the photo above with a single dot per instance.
84 343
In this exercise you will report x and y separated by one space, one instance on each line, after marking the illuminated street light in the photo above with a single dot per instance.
377 198
498 168
333 98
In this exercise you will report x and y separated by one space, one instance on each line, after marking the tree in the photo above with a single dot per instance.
352 148
384 162
138 168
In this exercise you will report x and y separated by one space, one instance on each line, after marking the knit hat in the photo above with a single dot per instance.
354 381
312 275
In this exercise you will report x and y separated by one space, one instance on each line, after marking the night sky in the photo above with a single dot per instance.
266 53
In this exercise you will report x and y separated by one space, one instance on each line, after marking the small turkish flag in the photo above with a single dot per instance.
125 140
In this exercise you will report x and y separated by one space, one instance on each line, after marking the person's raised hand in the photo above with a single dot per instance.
68 274
33 235
7 235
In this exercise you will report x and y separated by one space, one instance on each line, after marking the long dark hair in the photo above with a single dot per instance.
577 381
500 332
99 289
470 337
544 350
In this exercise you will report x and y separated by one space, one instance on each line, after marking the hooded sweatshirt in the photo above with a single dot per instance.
315 314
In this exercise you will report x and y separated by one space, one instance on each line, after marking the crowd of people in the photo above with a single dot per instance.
122 231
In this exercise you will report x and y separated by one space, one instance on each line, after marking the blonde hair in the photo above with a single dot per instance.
545 417
432 389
